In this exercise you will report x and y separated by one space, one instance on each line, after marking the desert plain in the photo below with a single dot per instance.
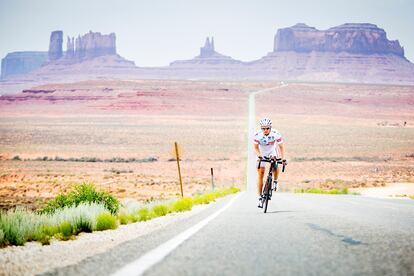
120 134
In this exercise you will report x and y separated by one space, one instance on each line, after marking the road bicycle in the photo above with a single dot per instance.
267 189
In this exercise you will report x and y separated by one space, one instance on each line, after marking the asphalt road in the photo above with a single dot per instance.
302 234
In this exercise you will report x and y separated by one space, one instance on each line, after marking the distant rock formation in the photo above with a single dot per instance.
17 63
88 46
70 48
208 49
357 53
208 56
350 37
55 45
93 45
85 48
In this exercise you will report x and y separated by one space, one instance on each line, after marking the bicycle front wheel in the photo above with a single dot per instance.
267 195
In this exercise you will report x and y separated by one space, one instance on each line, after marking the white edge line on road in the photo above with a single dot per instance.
139 266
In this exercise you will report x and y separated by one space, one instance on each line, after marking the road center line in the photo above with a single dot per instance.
139 266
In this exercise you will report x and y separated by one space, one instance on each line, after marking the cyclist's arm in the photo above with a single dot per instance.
282 150
256 149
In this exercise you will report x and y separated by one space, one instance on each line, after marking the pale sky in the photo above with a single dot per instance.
157 32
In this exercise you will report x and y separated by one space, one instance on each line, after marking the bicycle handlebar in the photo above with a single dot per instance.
269 160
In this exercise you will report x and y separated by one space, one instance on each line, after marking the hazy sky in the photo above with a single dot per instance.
156 32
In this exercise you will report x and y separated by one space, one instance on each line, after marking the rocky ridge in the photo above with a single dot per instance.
352 38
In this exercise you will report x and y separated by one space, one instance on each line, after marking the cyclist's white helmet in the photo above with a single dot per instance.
265 122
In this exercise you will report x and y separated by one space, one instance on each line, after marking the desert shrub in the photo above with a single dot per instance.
46 233
16 158
82 217
41 237
343 191
124 218
183 204
234 190
66 229
130 211
160 210
1 237
84 224
144 214
134 217
106 221
204 199
50 230
82 193
18 226
212 196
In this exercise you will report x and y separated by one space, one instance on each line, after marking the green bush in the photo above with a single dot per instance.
17 226
2 241
44 233
82 193
124 218
183 204
83 224
144 214
212 196
343 191
66 229
204 199
134 217
41 237
106 221
160 210
50 230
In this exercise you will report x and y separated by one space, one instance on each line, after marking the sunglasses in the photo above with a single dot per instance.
265 128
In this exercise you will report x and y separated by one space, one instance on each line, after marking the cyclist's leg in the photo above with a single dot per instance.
275 177
260 175
276 173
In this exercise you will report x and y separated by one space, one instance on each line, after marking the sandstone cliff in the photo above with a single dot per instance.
88 46
352 38
94 44
21 62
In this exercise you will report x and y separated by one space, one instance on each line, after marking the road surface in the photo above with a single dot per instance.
302 234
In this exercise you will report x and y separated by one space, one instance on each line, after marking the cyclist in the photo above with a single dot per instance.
267 143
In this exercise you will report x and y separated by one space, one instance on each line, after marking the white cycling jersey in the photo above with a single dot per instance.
267 143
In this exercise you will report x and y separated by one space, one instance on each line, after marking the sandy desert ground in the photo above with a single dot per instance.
336 135
340 135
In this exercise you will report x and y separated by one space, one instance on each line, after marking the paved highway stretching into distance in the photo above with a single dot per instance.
302 234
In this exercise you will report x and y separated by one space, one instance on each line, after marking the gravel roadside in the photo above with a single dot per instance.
33 258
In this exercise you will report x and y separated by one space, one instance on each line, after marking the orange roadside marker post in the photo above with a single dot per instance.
177 156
